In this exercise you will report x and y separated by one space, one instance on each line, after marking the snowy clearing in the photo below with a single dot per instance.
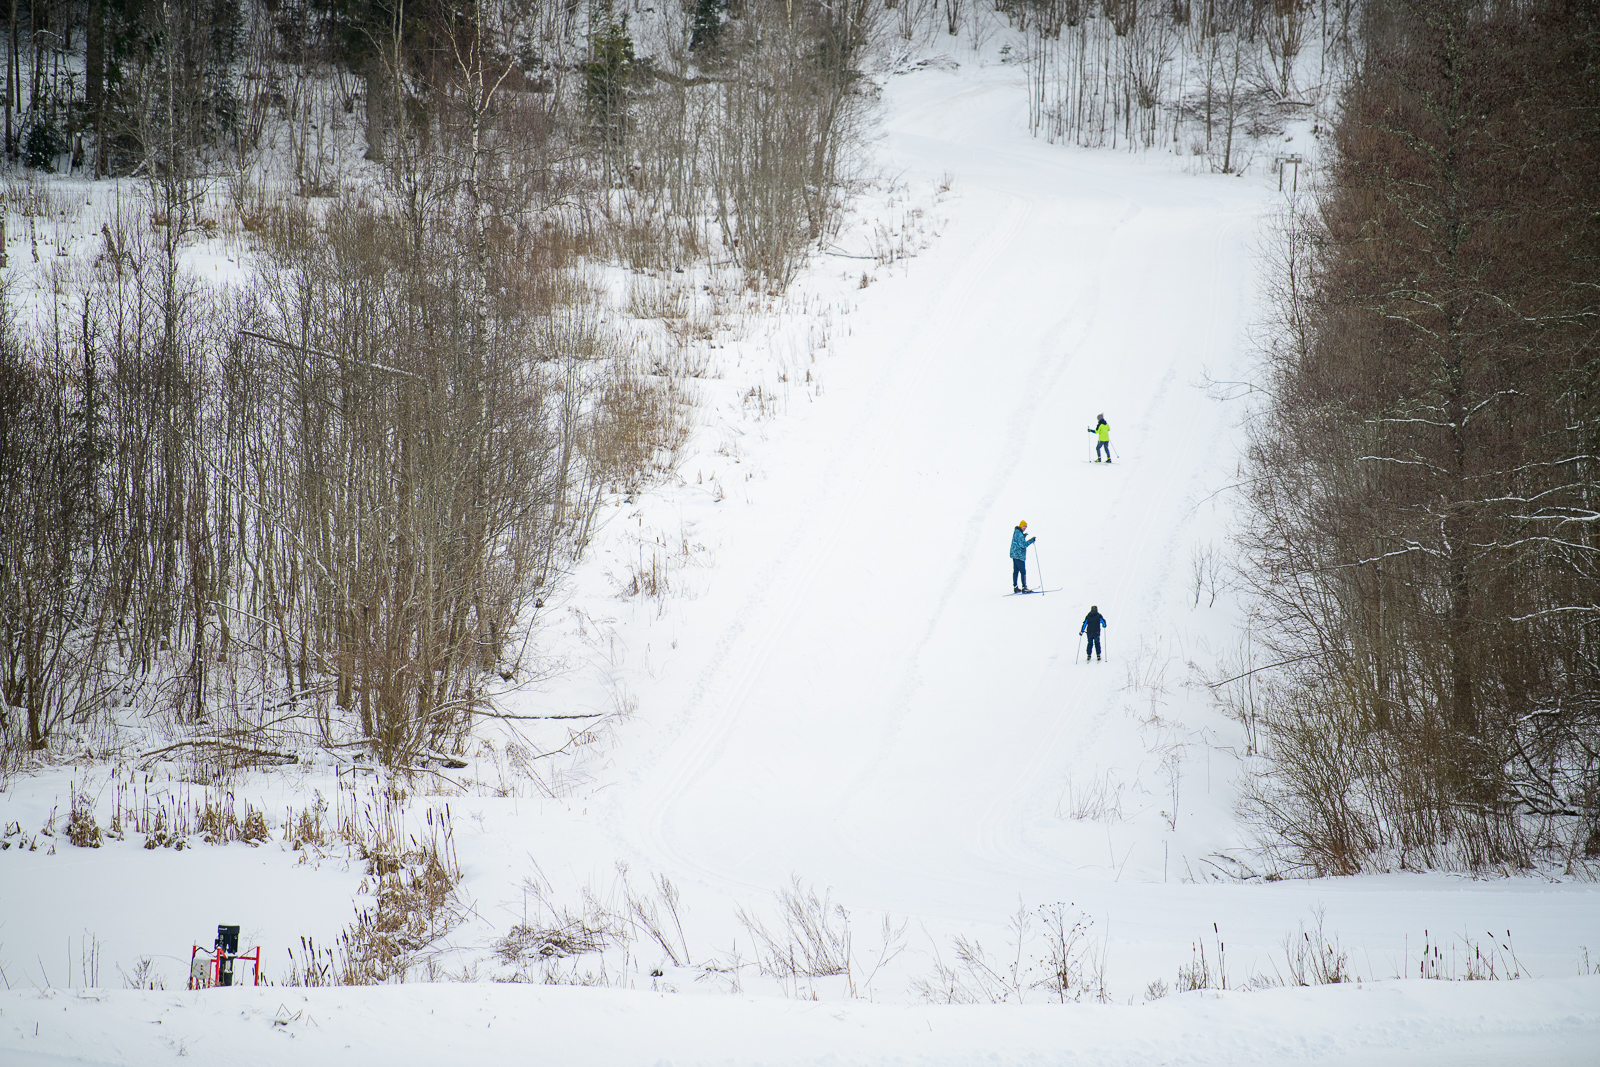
843 692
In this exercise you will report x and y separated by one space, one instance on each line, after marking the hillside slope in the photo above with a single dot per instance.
848 695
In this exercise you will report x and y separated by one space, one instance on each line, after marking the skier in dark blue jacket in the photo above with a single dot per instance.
1019 557
1091 626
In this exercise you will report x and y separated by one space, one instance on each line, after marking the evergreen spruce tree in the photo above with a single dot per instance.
706 24
605 85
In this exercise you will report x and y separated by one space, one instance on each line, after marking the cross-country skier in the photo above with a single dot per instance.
1102 432
1091 626
1019 557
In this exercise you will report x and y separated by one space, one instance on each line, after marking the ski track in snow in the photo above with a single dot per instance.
873 717
1045 319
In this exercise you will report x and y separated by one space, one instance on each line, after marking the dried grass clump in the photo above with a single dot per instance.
639 427
82 830
574 935
415 903
815 942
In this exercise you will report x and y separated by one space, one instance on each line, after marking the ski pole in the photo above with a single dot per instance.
1039 567
1114 450
1075 651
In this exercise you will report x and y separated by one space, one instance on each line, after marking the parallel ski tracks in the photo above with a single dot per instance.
994 843
747 643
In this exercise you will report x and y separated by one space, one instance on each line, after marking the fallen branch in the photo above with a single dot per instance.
1269 666
231 746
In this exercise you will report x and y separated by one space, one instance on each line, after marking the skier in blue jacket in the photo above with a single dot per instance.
1091 626
1019 557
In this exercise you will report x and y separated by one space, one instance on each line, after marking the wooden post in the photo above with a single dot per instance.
1294 159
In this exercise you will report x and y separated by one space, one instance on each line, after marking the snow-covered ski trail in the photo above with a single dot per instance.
871 715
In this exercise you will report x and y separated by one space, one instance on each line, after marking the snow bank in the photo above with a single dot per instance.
1554 1021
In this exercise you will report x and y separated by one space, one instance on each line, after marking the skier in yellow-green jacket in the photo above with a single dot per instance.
1102 432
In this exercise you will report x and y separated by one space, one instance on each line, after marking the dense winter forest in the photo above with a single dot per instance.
1424 479
320 505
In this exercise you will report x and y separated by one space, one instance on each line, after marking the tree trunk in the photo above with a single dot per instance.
380 99
11 81
94 59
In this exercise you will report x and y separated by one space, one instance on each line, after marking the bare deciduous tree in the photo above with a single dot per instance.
1423 480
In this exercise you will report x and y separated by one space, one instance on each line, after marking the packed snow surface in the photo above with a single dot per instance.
845 691
1535 1023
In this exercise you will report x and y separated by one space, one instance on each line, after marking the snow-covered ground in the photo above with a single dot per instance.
842 691
1535 1023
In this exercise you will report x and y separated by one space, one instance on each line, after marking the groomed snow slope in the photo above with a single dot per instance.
851 696
876 703
860 702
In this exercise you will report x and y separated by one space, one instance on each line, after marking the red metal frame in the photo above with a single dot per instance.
214 969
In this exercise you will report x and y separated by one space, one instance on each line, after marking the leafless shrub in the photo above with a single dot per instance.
1313 958
1285 28
652 296
89 950
32 197
649 576
1235 687
1208 573
1074 966
1172 771
561 944
143 976
1100 799
975 979
1146 672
